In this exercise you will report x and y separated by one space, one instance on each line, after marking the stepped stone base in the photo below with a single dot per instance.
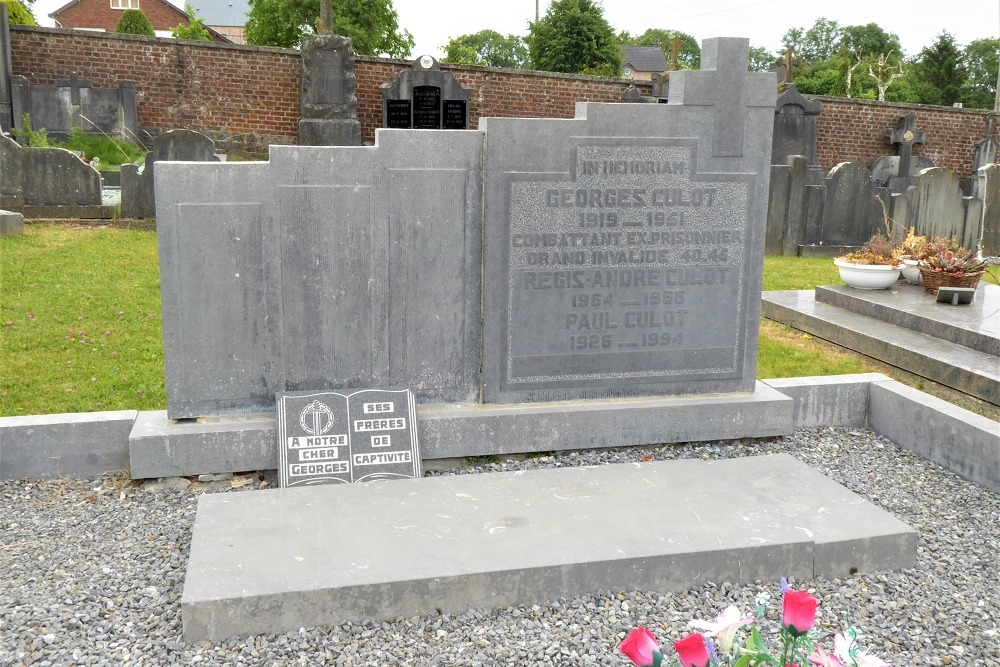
277 560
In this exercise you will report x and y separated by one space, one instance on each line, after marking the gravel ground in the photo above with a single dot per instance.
91 573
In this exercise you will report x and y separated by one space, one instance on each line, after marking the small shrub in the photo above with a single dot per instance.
134 22
111 151
195 28
32 138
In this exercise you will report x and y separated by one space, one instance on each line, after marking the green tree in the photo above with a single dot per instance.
134 22
821 41
19 13
372 25
690 53
487 47
939 67
761 60
981 58
869 40
195 28
575 38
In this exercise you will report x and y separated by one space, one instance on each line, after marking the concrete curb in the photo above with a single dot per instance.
89 444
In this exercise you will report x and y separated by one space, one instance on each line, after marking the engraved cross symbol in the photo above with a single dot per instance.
724 84
906 136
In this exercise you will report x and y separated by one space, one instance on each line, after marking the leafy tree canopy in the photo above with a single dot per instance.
815 44
761 60
195 28
690 53
575 38
19 13
869 40
940 65
489 48
981 59
134 22
372 25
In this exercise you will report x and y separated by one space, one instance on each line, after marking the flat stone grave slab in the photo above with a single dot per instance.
277 560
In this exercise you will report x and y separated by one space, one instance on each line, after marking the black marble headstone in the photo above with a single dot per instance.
426 108
455 115
397 114
332 438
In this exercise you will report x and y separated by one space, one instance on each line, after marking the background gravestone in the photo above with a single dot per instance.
795 131
851 212
329 105
425 98
896 172
621 266
138 196
45 177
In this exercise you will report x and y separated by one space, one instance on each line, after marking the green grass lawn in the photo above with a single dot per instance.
80 322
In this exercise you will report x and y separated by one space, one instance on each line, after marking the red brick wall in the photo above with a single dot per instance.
99 14
247 97
854 130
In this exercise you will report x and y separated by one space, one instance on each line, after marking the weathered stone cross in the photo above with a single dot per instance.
675 49
324 25
722 83
905 136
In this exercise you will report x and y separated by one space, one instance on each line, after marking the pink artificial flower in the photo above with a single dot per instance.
724 627
692 651
798 612
842 647
821 658
639 646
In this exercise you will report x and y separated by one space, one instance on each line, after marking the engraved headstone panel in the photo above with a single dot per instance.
335 438
629 268
426 108
397 114
629 264
456 115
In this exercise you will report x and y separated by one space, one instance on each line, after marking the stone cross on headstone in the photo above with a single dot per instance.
675 49
786 67
906 135
722 83
324 25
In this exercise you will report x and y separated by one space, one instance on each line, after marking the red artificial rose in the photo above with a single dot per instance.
639 646
799 612
692 651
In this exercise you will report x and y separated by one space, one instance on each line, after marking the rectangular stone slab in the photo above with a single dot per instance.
277 560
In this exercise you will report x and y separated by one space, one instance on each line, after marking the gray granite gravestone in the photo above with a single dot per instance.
334 438
794 127
851 212
329 105
138 200
989 192
630 265
622 258
329 267
425 98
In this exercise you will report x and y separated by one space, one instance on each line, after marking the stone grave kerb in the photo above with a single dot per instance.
722 83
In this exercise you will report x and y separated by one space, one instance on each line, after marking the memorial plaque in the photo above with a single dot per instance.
454 115
332 438
426 108
397 114
631 268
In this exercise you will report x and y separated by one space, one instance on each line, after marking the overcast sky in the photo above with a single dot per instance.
917 22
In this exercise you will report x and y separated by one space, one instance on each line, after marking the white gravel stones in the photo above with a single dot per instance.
91 577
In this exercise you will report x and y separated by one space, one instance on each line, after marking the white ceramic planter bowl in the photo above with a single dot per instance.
911 271
867 276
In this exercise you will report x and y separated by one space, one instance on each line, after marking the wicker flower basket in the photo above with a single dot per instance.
935 279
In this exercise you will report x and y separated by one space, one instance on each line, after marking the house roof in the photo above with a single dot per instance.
221 12
644 58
